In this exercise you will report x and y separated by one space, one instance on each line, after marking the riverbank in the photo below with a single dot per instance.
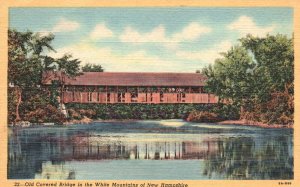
88 121
226 122
254 124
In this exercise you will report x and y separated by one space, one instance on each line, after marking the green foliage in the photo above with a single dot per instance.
25 59
274 57
92 68
252 75
45 114
219 112
37 108
203 116
26 64
11 105
144 111
226 111
230 77
69 66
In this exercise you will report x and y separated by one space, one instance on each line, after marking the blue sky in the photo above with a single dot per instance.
150 39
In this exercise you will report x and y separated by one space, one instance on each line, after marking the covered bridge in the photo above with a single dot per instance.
114 87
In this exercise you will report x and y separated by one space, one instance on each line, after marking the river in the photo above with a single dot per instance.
154 150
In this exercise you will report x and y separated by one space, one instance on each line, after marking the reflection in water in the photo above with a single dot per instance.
241 158
55 170
54 153
89 147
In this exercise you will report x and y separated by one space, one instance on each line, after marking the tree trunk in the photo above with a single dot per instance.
242 110
19 100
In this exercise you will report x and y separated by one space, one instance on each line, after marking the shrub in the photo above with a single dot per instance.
203 116
45 115
146 111
74 115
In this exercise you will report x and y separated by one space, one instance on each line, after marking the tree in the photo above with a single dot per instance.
257 76
274 74
274 57
92 68
68 65
230 77
68 68
25 62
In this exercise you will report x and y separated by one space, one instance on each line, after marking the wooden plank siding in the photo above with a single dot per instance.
170 98
84 97
142 98
155 98
77 97
112 97
102 97
68 97
127 97
94 97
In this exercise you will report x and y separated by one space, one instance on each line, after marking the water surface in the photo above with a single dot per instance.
167 149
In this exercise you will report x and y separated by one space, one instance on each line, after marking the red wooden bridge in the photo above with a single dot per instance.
113 87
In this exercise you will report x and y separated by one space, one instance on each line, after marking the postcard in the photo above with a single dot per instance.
149 94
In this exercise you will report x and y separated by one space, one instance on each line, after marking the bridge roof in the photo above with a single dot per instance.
130 79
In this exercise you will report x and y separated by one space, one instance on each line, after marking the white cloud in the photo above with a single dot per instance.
158 35
138 61
191 32
207 55
130 35
246 25
101 31
63 25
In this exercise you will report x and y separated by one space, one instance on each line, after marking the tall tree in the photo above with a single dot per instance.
274 57
258 76
27 64
274 72
26 61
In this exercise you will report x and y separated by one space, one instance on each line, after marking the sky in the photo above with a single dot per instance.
150 39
